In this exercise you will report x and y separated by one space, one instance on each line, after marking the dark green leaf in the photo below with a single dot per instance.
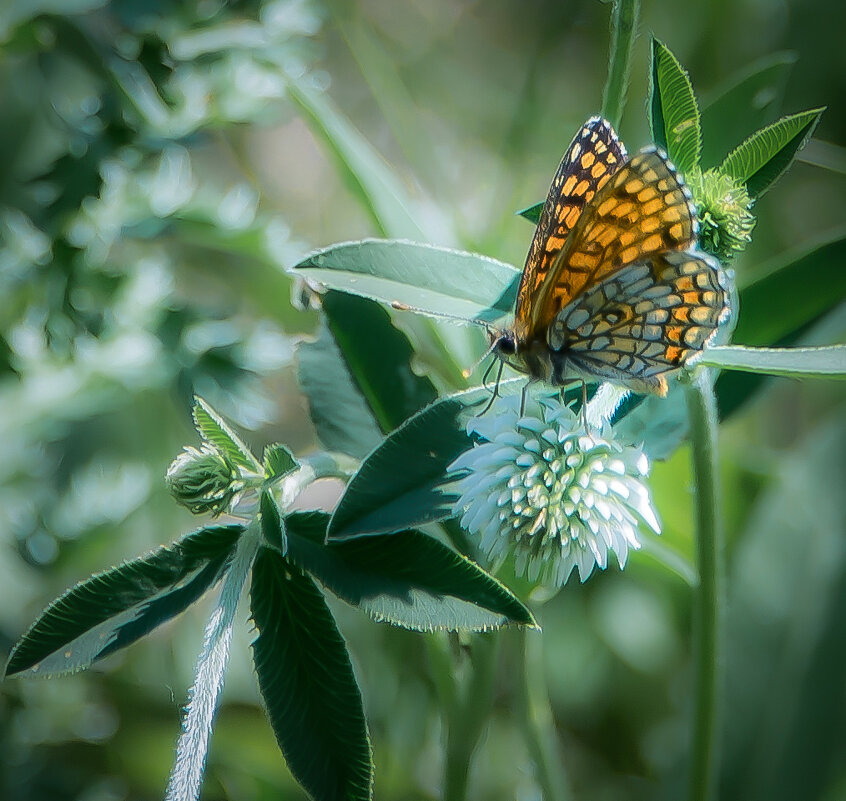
399 485
272 524
818 362
674 115
278 461
431 280
531 213
767 318
378 357
214 430
765 155
825 155
759 325
407 578
307 683
750 100
340 414
113 609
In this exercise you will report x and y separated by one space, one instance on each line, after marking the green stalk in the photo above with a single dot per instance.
624 18
467 716
702 410
536 718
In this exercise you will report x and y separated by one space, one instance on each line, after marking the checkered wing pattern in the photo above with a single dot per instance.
643 210
644 320
593 156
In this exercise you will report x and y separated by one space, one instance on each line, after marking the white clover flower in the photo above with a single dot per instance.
558 498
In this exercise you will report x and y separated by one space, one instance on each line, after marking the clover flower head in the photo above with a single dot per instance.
539 486
725 217
204 480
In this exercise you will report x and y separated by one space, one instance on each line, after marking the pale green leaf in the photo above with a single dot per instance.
214 430
431 280
765 155
818 362
674 114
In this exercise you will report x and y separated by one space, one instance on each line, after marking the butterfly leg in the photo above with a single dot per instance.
523 393
488 372
584 407
495 393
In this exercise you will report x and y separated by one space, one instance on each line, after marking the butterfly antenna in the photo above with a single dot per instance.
467 373
453 318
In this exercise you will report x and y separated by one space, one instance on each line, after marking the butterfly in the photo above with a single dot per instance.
614 287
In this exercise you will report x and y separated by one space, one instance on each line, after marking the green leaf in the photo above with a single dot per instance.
400 484
407 578
272 524
765 155
307 683
431 280
659 424
766 319
674 115
760 324
750 100
379 189
114 608
531 213
378 357
819 362
278 461
214 430
342 419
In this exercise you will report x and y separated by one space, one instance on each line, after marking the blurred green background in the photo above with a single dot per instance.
164 162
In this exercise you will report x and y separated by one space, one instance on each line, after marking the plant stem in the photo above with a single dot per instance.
624 18
187 775
536 718
467 716
702 410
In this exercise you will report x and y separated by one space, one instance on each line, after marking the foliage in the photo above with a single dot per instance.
143 240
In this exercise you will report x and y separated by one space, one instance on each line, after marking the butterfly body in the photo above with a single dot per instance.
614 287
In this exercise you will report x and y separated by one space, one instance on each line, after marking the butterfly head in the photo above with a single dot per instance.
531 358
503 343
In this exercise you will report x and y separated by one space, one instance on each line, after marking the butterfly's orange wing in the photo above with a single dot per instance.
593 156
642 210
644 320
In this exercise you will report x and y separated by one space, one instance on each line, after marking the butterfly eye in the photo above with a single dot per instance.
506 344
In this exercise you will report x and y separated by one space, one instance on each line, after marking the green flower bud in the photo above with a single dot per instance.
725 219
203 480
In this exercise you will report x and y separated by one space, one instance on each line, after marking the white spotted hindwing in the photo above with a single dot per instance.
643 321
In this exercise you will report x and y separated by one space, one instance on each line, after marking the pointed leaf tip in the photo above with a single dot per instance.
765 156
215 431
674 113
